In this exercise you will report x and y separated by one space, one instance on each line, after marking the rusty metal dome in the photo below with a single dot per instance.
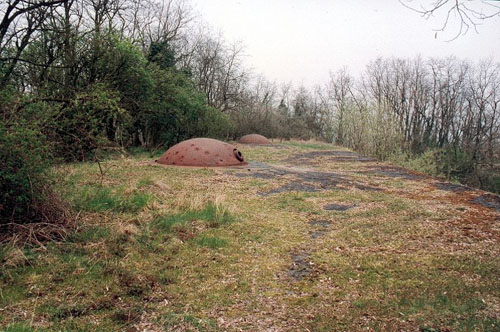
254 139
202 152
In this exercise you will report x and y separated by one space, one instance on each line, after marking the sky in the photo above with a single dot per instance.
302 41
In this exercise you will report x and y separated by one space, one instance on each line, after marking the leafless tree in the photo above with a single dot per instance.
469 13
20 20
219 72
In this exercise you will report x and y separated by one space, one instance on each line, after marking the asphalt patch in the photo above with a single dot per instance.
488 200
338 207
292 186
395 172
320 223
331 155
301 266
453 187
307 181
320 228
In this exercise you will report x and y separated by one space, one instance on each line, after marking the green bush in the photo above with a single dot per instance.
426 162
92 119
24 180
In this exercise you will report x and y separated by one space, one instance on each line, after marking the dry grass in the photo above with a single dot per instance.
407 257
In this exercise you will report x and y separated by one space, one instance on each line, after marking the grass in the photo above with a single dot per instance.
215 215
309 145
101 199
172 249
21 327
211 242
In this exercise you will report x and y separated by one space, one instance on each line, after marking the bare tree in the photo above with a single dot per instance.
20 21
469 13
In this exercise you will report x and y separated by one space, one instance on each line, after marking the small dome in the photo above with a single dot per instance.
202 152
254 139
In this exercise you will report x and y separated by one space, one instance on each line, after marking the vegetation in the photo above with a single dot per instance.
135 246
212 251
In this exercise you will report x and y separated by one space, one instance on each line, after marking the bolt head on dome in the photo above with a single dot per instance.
202 152
254 139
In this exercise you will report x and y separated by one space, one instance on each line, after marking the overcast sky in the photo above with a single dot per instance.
300 41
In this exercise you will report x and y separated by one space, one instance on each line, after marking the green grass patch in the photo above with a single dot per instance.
11 294
310 146
91 234
143 153
21 327
296 201
145 182
211 242
103 199
215 215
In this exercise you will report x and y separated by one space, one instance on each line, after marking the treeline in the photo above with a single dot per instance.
439 116
441 113
97 72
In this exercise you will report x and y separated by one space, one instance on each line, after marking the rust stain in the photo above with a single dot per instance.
254 139
202 152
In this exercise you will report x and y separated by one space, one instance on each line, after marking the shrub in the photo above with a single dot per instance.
24 162
426 162
26 195
90 120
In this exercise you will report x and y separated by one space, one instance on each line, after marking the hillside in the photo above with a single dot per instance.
308 237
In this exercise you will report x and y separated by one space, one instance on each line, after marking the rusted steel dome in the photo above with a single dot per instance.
254 139
202 152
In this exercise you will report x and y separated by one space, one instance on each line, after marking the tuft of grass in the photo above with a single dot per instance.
92 234
145 182
216 215
211 242
103 199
